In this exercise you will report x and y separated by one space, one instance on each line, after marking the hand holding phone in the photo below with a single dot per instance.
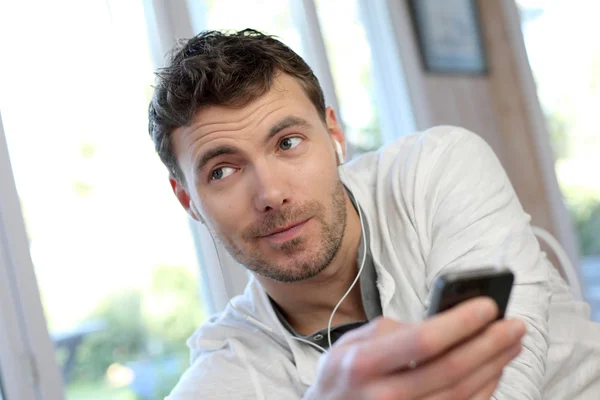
459 354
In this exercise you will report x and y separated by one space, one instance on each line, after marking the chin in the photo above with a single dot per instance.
290 269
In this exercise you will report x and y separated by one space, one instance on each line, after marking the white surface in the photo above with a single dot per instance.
24 339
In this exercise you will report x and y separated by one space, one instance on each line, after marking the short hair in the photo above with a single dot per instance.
220 68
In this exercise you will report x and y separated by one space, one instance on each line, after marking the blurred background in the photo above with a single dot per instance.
124 277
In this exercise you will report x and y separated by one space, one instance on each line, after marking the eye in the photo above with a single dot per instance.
290 142
220 173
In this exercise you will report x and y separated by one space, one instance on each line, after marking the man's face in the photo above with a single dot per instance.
265 179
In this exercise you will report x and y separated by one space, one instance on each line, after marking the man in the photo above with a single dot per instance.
240 122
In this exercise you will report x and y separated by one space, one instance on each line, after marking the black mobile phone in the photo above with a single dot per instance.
455 287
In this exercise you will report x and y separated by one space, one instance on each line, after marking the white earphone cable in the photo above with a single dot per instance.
362 265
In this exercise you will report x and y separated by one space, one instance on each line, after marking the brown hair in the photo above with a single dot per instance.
217 68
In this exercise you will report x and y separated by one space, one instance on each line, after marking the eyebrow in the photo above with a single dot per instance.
286 122
213 153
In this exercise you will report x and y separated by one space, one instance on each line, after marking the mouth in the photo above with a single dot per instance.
286 232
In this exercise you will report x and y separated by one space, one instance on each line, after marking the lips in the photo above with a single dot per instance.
285 228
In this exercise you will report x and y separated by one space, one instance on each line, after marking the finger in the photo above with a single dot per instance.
469 358
473 362
342 353
482 383
376 328
487 392
391 352
440 333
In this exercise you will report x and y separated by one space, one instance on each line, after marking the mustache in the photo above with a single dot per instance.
274 220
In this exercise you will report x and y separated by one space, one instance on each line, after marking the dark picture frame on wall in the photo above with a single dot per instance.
449 36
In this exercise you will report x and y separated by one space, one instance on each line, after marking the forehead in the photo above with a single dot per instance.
285 95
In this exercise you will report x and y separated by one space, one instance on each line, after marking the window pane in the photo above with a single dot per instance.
272 17
560 38
111 247
350 62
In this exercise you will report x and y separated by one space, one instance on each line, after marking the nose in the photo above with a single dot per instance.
271 189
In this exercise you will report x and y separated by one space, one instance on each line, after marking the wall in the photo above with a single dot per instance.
501 106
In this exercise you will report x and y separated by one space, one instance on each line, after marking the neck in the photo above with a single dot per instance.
307 314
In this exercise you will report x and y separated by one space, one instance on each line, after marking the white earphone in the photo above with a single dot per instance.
339 151
196 213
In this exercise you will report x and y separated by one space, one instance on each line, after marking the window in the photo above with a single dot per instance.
113 255
272 17
350 58
565 60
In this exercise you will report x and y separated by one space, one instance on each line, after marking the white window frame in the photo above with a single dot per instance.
391 90
306 20
168 21
28 365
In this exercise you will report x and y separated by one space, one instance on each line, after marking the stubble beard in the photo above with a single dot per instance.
301 262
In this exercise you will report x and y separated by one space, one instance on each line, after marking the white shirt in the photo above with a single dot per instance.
435 202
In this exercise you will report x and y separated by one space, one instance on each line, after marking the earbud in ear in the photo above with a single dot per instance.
196 213
339 152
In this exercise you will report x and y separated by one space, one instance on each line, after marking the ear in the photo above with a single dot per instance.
184 199
335 130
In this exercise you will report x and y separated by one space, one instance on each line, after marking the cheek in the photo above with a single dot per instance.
227 214
315 176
